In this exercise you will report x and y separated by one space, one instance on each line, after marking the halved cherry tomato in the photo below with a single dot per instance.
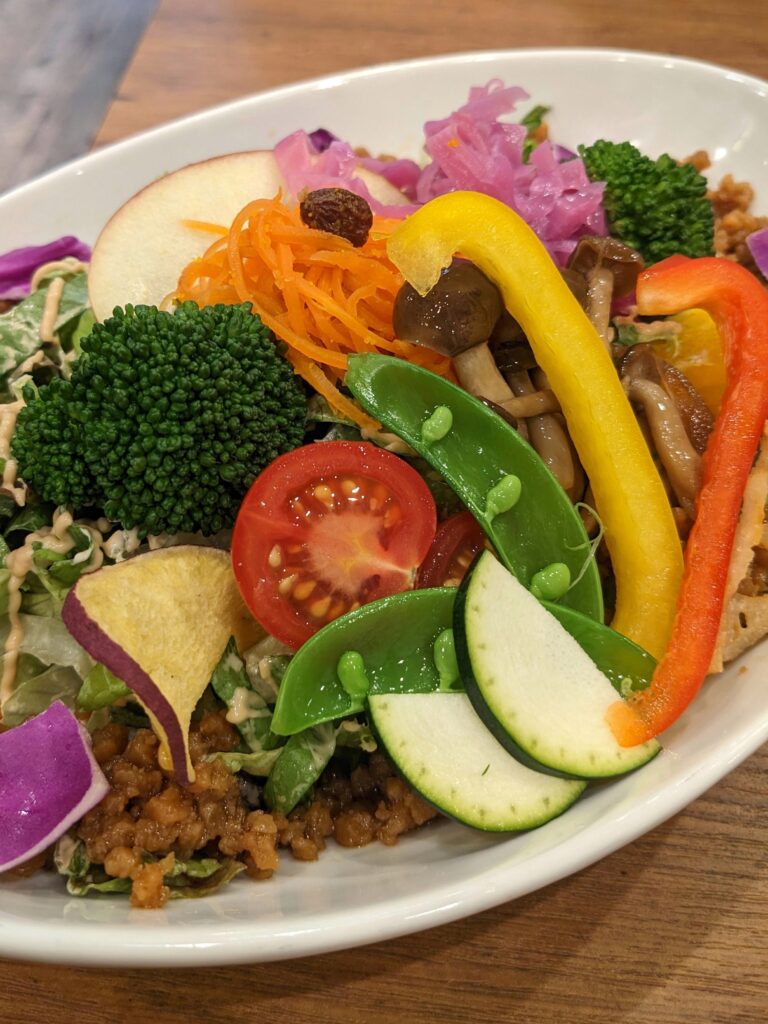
326 528
456 543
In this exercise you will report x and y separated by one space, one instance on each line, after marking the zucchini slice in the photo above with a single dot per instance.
446 753
532 684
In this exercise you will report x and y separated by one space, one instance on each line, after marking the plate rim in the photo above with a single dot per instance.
183 945
336 78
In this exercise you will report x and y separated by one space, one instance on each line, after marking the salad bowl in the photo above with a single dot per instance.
443 872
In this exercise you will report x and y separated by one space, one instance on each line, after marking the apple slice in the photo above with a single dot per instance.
160 622
145 245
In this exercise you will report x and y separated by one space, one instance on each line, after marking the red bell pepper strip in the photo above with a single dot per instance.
738 304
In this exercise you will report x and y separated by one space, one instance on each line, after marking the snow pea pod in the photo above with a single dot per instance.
395 637
628 666
479 453
395 640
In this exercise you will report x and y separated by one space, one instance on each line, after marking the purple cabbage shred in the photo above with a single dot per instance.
470 149
18 266
757 243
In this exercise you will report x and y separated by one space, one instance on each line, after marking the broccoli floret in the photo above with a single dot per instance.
658 207
166 420
47 445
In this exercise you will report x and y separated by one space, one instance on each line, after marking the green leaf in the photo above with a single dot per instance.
58 571
229 673
82 330
300 764
30 518
33 695
531 122
193 879
198 876
49 640
253 717
130 716
254 762
84 887
100 689
20 326
7 505
5 576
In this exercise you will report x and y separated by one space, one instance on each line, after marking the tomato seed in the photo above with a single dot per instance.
302 590
324 494
285 586
392 515
320 608
275 558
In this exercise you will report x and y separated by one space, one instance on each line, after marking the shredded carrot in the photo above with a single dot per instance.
319 294
205 225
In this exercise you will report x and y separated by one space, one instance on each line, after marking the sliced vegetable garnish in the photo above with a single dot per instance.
159 622
738 304
326 528
535 688
639 527
394 638
527 516
446 753
48 780
456 543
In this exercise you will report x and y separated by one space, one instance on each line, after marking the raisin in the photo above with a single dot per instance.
338 211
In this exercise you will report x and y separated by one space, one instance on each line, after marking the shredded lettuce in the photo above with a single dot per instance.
252 762
100 689
231 683
20 326
49 640
198 876
34 693
302 761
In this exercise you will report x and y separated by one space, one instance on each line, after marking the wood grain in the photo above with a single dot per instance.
672 929
200 52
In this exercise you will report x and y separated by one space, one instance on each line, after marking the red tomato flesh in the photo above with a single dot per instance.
326 528
456 543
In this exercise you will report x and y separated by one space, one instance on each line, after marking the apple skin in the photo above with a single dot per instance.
145 245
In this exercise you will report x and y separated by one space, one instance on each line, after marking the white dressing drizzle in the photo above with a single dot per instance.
51 311
246 704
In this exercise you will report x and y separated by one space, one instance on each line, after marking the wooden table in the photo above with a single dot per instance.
672 929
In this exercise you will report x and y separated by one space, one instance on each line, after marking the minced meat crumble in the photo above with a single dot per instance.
147 812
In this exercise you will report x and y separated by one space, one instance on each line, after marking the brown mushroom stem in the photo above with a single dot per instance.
642 363
678 456
478 374
599 296
536 404
548 437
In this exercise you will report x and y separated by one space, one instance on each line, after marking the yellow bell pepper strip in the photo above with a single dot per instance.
630 498
738 304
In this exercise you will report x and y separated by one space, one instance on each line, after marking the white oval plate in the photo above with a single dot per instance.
444 872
